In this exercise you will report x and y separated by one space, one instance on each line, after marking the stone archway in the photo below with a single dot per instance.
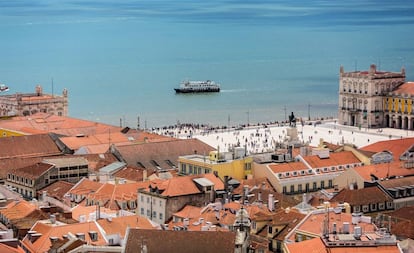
387 120
406 123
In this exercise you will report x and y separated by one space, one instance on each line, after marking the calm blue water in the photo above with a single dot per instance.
121 59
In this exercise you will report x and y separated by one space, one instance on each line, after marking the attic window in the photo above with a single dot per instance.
302 172
333 168
93 235
309 171
295 173
325 169
139 164
279 175
170 163
287 174
153 162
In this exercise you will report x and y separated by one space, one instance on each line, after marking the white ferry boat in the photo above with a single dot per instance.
198 86
3 88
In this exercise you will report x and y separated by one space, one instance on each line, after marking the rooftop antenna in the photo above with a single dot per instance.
138 123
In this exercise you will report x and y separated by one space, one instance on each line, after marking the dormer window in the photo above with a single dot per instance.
310 171
318 170
295 173
333 168
279 175
287 174
325 169
302 172
340 167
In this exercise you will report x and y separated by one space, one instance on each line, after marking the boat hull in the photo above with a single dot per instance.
180 90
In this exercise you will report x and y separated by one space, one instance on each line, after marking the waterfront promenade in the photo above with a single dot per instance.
263 138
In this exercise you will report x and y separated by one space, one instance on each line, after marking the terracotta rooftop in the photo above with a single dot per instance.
285 167
405 88
314 245
111 195
85 211
160 154
20 210
397 182
8 249
38 145
178 241
85 186
382 170
32 171
57 189
176 186
119 225
365 196
48 123
104 139
312 223
335 159
43 243
397 147
188 211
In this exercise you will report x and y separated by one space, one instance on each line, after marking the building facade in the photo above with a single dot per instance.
362 97
233 164
24 104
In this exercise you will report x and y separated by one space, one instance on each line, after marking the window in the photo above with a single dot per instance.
330 184
154 214
314 186
142 211
322 184
161 217
292 188
148 213
142 198
190 169
270 230
284 189
307 187
299 187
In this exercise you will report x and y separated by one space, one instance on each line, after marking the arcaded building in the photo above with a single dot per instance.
24 104
375 99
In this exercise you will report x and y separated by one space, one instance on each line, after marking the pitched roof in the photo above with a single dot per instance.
8 249
85 186
335 159
405 88
178 241
28 146
314 245
119 225
105 139
32 171
365 196
398 182
176 186
188 212
382 170
57 189
62 125
19 210
397 147
43 243
160 154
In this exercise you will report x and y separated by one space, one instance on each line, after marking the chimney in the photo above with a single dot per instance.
372 69
345 227
271 203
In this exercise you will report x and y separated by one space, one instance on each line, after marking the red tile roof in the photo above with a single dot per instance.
335 159
48 123
119 225
314 245
32 171
162 153
365 196
405 88
57 189
43 243
383 170
178 241
39 145
397 147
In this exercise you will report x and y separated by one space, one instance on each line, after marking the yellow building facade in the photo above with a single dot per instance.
8 133
239 168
